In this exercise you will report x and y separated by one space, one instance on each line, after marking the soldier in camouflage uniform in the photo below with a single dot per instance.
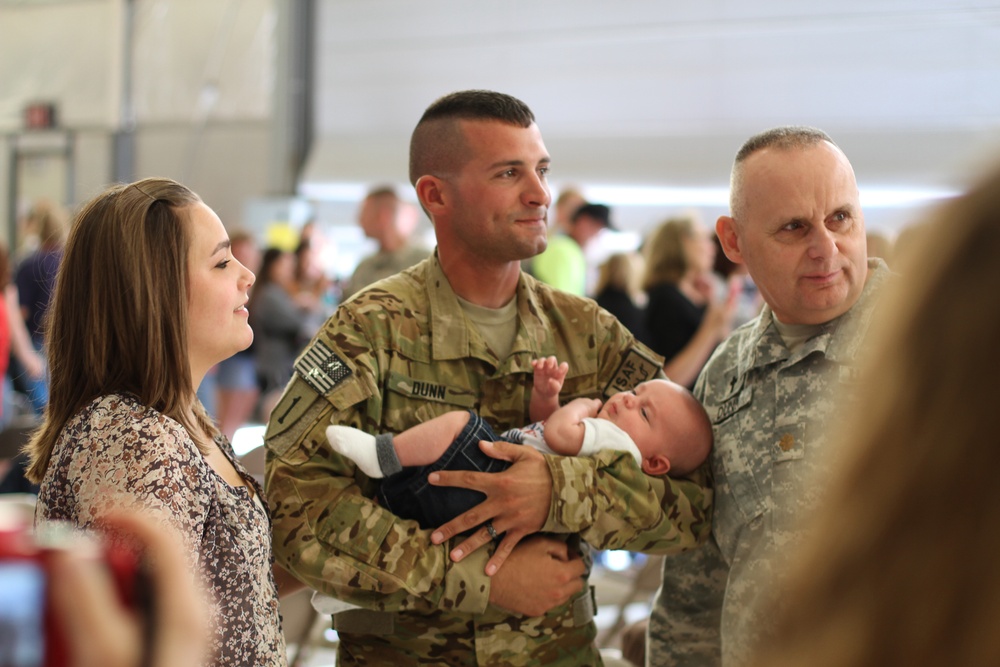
390 221
412 347
772 388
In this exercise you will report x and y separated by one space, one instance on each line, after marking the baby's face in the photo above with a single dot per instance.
644 414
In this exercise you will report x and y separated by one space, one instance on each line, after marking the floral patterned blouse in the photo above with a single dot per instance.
118 453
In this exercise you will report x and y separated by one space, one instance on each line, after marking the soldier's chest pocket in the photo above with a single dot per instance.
412 400
581 385
759 463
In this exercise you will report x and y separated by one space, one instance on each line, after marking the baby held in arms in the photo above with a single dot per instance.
659 423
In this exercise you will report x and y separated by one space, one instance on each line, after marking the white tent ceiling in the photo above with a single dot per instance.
663 93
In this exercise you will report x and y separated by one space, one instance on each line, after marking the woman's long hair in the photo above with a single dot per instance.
901 566
666 257
271 256
118 321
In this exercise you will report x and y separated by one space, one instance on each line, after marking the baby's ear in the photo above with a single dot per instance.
656 465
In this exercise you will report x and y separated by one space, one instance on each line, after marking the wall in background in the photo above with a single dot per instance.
191 85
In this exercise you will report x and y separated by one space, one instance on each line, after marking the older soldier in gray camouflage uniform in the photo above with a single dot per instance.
771 388
459 330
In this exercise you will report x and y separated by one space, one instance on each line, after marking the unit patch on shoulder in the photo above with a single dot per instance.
636 367
321 368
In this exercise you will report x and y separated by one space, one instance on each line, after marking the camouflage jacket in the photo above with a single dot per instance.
382 265
772 412
402 352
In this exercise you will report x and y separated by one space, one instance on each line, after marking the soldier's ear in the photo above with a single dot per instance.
431 193
728 232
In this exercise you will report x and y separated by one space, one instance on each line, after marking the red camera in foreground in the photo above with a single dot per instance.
30 632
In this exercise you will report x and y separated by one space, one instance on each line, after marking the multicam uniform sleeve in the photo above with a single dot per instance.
607 498
612 504
327 530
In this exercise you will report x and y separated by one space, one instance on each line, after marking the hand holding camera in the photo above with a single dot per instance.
125 600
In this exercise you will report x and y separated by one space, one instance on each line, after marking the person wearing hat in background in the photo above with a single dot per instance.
591 227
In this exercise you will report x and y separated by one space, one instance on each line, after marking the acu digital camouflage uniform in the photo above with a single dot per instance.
400 353
772 412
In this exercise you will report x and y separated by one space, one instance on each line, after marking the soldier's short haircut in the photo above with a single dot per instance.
383 196
785 137
382 192
436 141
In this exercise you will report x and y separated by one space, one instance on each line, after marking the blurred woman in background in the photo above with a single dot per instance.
35 279
280 317
619 291
685 317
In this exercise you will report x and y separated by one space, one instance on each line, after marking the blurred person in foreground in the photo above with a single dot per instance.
772 389
124 430
880 245
99 631
900 564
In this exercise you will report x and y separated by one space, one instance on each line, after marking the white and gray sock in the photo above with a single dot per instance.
369 452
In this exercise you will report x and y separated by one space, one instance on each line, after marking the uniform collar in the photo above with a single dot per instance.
454 337
841 338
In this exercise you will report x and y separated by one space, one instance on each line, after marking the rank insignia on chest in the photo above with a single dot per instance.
321 368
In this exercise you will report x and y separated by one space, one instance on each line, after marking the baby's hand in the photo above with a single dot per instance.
549 376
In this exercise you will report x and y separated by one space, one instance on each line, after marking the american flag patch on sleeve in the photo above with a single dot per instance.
321 368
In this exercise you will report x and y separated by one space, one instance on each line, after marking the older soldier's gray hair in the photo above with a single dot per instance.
785 137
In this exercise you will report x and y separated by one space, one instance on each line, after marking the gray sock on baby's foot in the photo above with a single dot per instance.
388 460
358 446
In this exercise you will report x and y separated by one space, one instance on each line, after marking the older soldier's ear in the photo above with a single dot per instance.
726 230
